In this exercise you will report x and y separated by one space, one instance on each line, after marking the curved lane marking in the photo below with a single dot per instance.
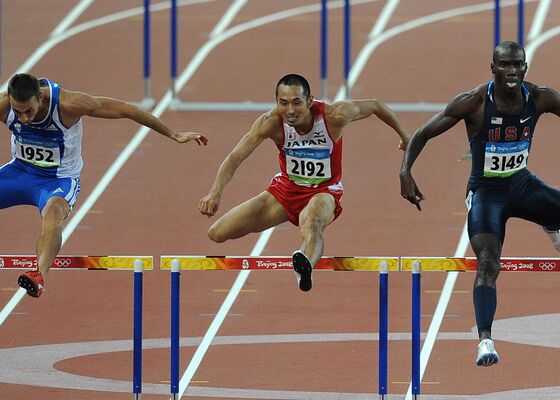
535 330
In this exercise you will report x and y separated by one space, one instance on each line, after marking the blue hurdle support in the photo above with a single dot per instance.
137 343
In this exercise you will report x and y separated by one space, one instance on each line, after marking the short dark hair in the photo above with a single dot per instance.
508 45
294 80
23 87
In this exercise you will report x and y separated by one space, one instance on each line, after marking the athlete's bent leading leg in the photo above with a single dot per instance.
313 220
488 249
254 215
48 245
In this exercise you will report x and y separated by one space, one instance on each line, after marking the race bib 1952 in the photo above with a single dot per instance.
505 159
38 155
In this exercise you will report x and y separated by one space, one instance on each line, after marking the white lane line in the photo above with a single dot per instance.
72 16
220 316
230 14
54 40
365 53
532 47
8 308
384 18
538 19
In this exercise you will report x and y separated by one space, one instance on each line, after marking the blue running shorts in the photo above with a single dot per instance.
20 186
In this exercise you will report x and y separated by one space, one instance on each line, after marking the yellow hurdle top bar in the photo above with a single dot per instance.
78 262
534 264
262 263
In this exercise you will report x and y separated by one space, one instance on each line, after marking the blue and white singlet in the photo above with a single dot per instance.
48 146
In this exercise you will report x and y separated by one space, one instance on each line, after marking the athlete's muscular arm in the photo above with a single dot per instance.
355 110
461 107
262 128
546 100
75 105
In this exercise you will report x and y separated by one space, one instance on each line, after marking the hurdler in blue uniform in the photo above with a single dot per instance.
46 126
500 118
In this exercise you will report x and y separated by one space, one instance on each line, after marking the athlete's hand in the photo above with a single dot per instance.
209 204
184 137
404 142
410 191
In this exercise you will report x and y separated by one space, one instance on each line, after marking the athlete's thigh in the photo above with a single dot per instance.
540 204
488 211
17 187
320 208
64 188
254 215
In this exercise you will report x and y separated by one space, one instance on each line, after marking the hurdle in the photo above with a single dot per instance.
520 22
262 263
94 263
416 265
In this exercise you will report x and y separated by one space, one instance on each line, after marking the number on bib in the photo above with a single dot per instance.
505 159
37 155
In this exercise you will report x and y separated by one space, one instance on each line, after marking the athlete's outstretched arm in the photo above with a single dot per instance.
355 110
459 108
76 105
260 130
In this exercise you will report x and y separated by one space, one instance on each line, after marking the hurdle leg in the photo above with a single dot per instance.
383 327
415 379
137 341
175 318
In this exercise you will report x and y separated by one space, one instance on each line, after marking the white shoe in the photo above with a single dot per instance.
487 354
554 237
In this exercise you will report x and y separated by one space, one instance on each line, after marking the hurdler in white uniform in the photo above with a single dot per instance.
46 158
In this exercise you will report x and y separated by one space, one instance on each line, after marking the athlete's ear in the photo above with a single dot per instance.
310 101
492 68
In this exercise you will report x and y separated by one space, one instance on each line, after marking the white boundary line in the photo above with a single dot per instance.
72 16
538 19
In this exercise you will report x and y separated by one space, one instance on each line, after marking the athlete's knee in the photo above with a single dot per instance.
311 224
488 269
216 234
55 211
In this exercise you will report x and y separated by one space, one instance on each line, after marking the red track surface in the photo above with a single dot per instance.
150 208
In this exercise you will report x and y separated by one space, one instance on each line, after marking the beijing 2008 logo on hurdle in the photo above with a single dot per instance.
1 263
547 265
245 264
62 262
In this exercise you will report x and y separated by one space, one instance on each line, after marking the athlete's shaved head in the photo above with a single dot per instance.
294 80
510 47
23 87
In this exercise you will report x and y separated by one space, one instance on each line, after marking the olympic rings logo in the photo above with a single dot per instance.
547 265
62 262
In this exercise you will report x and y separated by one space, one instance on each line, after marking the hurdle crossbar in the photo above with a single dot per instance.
527 264
277 263
125 263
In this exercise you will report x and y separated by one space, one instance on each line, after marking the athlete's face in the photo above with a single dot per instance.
509 68
293 105
26 111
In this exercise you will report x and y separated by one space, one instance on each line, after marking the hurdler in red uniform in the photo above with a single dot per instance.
307 191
